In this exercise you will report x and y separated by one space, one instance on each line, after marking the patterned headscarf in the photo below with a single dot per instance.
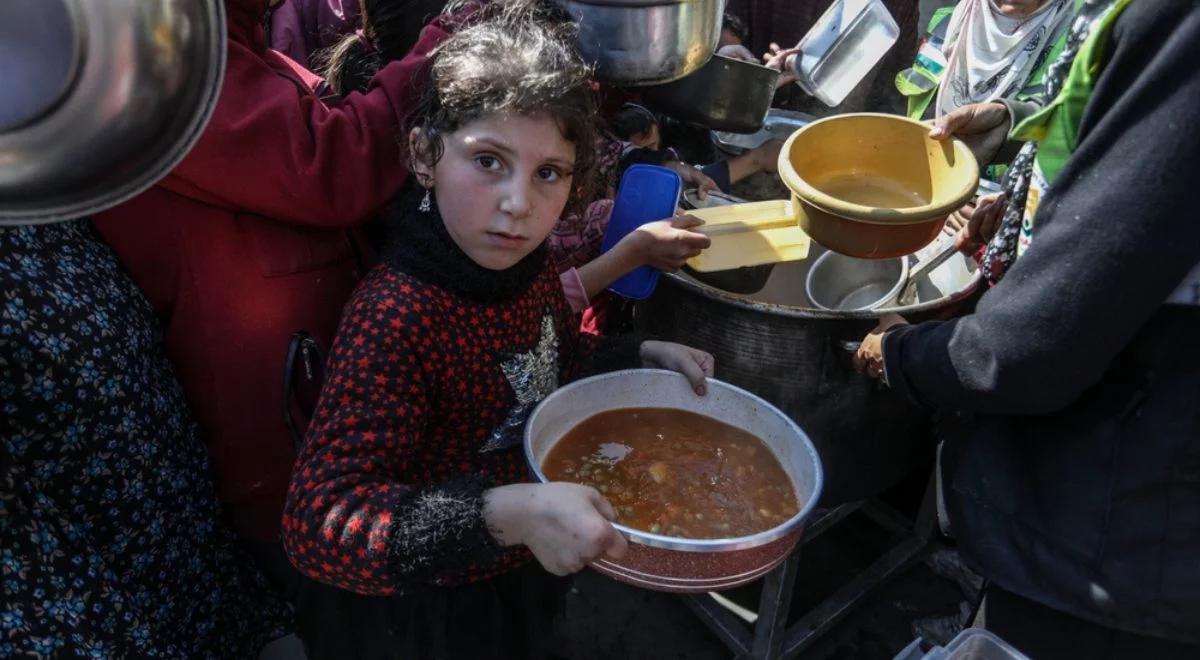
1002 250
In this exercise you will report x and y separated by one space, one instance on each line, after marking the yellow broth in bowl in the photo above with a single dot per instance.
676 473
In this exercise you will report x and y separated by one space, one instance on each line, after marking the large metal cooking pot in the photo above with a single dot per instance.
726 94
667 563
775 344
102 98
646 42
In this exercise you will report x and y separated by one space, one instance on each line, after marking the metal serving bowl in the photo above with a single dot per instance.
849 284
102 98
667 563
646 42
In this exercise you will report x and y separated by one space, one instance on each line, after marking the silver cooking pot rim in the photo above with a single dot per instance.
714 293
128 88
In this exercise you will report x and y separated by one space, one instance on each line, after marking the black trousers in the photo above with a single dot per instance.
507 617
1044 633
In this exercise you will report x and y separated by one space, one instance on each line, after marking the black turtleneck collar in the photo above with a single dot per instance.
419 244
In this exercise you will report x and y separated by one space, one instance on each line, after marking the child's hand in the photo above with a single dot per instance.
693 363
565 526
693 178
668 244
776 58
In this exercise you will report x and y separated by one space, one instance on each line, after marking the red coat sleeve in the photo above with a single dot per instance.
274 149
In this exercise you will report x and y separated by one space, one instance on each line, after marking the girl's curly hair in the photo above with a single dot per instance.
520 59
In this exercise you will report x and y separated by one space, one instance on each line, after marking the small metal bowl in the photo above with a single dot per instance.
102 99
839 283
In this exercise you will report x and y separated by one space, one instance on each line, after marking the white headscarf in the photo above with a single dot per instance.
991 56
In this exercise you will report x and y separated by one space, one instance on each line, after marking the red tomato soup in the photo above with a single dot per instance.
677 473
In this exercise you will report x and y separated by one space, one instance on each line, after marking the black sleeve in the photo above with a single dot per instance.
1114 236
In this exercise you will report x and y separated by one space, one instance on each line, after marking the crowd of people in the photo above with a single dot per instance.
283 390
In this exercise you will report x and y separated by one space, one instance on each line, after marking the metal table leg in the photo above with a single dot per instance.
770 639
773 608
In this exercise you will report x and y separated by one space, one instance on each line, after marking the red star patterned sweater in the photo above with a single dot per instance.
423 409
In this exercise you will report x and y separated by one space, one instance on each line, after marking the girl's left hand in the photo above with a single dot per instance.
869 356
695 364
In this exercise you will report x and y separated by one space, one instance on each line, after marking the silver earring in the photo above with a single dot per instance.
425 203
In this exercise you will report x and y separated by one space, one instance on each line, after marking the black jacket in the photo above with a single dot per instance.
1071 397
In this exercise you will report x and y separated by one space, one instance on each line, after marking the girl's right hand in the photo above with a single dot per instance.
668 244
566 526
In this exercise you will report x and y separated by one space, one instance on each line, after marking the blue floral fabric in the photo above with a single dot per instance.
111 544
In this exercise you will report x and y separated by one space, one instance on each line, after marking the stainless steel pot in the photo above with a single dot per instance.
667 563
775 344
726 94
841 283
646 42
102 98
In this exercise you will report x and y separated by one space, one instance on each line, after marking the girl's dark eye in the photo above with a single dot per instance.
488 162
550 174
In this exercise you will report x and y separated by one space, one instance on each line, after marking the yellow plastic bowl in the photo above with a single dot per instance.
875 186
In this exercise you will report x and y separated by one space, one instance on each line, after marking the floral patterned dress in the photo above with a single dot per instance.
110 540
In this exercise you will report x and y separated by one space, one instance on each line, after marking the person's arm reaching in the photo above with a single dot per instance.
274 149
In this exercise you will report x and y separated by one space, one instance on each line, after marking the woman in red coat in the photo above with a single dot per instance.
249 241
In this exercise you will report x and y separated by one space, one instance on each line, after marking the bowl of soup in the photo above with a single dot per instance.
712 492
875 186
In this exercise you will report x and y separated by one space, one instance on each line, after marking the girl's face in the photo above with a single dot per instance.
501 185
1018 8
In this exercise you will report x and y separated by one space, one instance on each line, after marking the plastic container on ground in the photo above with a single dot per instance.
970 644
842 47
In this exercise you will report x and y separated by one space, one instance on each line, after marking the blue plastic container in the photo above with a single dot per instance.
647 193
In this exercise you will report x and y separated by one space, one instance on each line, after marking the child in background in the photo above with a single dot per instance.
410 496
640 130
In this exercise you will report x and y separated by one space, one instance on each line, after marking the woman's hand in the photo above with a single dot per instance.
668 244
982 126
566 526
976 223
693 363
868 358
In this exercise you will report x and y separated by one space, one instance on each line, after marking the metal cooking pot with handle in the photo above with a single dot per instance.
102 98
646 42
726 94
667 563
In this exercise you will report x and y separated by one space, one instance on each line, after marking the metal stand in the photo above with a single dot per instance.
770 639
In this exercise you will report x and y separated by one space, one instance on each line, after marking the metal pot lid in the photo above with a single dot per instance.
104 99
